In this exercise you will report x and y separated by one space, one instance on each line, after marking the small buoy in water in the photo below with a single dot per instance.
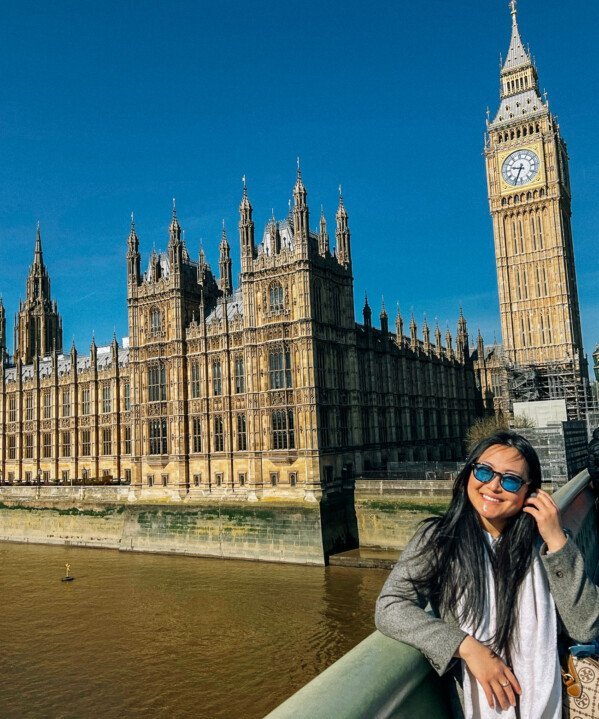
67 577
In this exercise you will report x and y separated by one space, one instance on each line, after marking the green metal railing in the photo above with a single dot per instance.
385 679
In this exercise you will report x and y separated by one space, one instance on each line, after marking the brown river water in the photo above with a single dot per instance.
139 635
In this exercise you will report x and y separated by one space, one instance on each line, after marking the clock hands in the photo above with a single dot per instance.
518 175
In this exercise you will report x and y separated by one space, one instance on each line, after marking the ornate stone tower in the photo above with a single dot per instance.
38 326
529 196
2 332
161 304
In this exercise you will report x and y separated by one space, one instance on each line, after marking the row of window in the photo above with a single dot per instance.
282 428
65 476
337 367
334 304
65 444
283 433
526 232
219 479
519 132
379 374
241 479
544 331
65 398
276 299
412 426
279 375
522 284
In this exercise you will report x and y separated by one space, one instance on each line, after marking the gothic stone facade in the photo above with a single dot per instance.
529 196
268 389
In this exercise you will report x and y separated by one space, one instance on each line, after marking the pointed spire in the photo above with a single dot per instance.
462 328
480 346
245 203
438 347
383 310
323 236
413 333
133 256
202 266
399 327
367 312
246 230
299 172
342 234
224 264
38 260
517 55
519 79
223 238
2 333
448 342
37 308
426 334
384 318
175 227
301 222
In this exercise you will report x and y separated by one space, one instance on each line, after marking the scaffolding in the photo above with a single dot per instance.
550 380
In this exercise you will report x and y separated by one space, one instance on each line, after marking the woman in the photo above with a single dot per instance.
502 579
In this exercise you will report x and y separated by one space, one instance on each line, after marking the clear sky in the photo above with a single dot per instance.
108 107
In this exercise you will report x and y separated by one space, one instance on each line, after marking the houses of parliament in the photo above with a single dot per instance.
271 387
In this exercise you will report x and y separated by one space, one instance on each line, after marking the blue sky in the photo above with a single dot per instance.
111 107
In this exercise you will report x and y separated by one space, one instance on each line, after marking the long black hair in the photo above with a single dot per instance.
454 549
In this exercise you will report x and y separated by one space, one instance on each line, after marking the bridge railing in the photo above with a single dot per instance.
381 678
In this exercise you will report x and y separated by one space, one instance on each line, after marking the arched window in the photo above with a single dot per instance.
279 369
277 298
533 231
521 233
542 325
155 320
317 302
283 432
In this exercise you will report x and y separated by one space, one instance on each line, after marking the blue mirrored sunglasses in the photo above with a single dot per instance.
509 482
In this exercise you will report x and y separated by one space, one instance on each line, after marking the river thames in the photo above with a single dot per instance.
138 635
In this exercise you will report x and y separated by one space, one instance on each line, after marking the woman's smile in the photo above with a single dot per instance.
493 504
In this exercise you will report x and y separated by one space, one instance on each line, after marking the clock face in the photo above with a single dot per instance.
520 168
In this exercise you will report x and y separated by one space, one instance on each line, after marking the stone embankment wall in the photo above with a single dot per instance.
389 511
103 517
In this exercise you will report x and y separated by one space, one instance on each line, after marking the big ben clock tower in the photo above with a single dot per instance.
529 197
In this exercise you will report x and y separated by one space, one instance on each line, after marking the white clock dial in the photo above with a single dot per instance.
520 168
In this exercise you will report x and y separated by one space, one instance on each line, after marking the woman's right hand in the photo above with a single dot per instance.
491 672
